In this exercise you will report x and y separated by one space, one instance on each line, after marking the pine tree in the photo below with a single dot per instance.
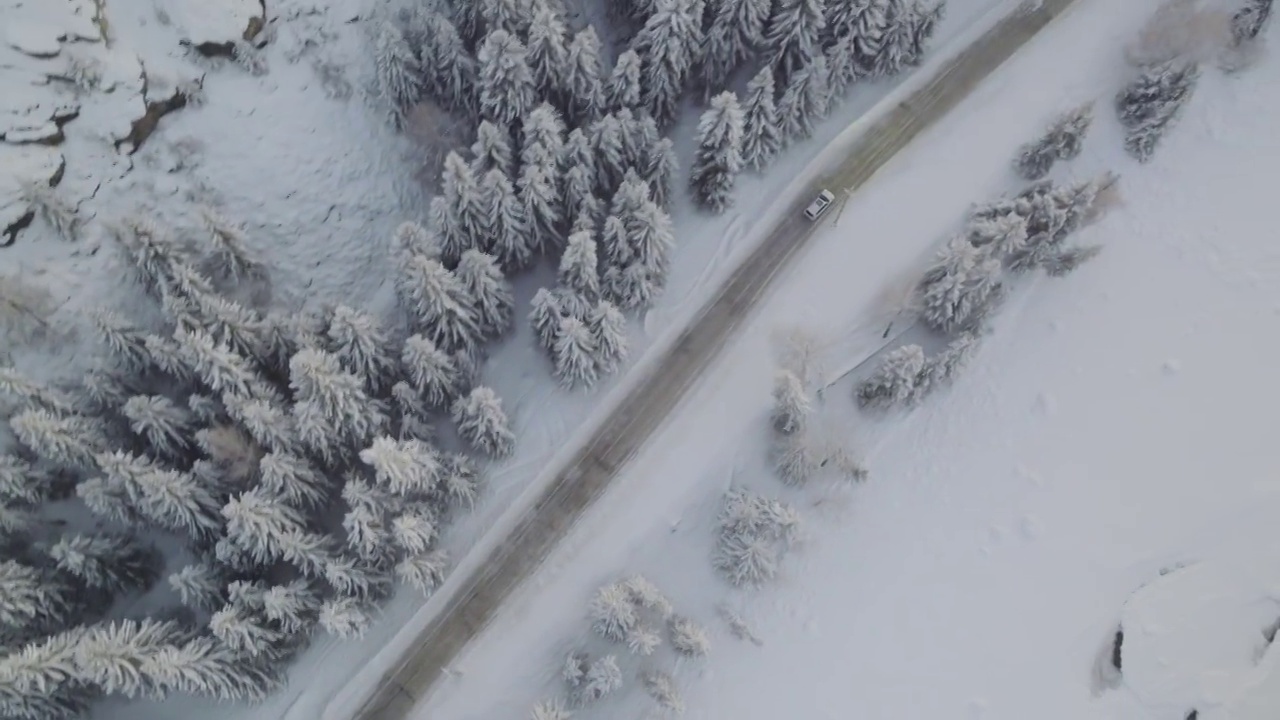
165 426
33 602
65 440
549 54
660 168
507 90
761 133
512 16
367 533
201 586
575 354
345 617
492 150
112 562
1150 104
910 28
668 46
483 423
737 29
540 199
482 281
1062 141
318 380
439 303
583 77
805 101
362 345
649 235
794 35
624 87
293 479
960 289
508 235
894 382
399 74
578 265
404 468
718 159
791 404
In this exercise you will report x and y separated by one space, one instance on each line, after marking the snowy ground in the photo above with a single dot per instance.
1114 426
289 146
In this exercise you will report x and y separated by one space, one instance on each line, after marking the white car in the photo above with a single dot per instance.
819 205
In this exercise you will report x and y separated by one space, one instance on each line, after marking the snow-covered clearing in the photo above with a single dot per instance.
1114 426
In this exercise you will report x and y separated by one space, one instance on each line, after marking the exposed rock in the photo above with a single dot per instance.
156 108
214 29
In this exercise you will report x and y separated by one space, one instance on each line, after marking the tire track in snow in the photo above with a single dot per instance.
477 596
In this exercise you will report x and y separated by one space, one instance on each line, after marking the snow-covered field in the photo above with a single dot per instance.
1116 426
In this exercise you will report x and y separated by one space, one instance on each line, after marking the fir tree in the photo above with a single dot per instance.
40 680
959 291
1062 141
910 29
460 213
624 87
668 46
266 419
483 423
449 69
165 426
492 150
940 370
432 372
269 530
461 483
583 77
660 168
18 481
221 369
548 54
736 31
424 571
544 317
345 617
112 562
805 101
1150 104
293 479
439 303
318 380
794 35
602 679
507 90
33 602
125 342
245 632
399 74
544 141
508 236
1065 262
201 586
578 265
295 606
791 404
512 16
482 281
609 152
869 24
761 133
234 258
67 441
688 637
404 468
414 530
550 710
362 345
540 199
575 354
718 159
173 500
613 612
894 382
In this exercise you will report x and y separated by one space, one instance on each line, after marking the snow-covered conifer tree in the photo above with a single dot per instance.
318 379
269 530
1150 104
293 479
107 499
345 617
113 562
460 213
608 152
201 586
624 86
1064 262
718 159
961 288
431 371
688 637
508 236
512 16
64 440
37 680
19 482
483 423
439 303
235 259
1005 235
414 529
613 612
545 317
399 74
123 340
579 266
1248 22
461 482
894 382
166 427
33 602
507 90
761 131
492 150
550 710
868 24
540 199
220 368
294 606
736 31
575 354
482 281
942 368
659 170
668 45
794 35
805 100
583 81
172 499
609 335
602 679
662 688
424 571
363 347
245 632
543 137
910 28
548 53
1062 141
449 69
404 468
791 404
650 236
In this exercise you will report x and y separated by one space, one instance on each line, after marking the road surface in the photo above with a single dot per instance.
650 400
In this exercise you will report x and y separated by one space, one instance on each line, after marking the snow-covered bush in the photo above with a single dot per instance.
1150 104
